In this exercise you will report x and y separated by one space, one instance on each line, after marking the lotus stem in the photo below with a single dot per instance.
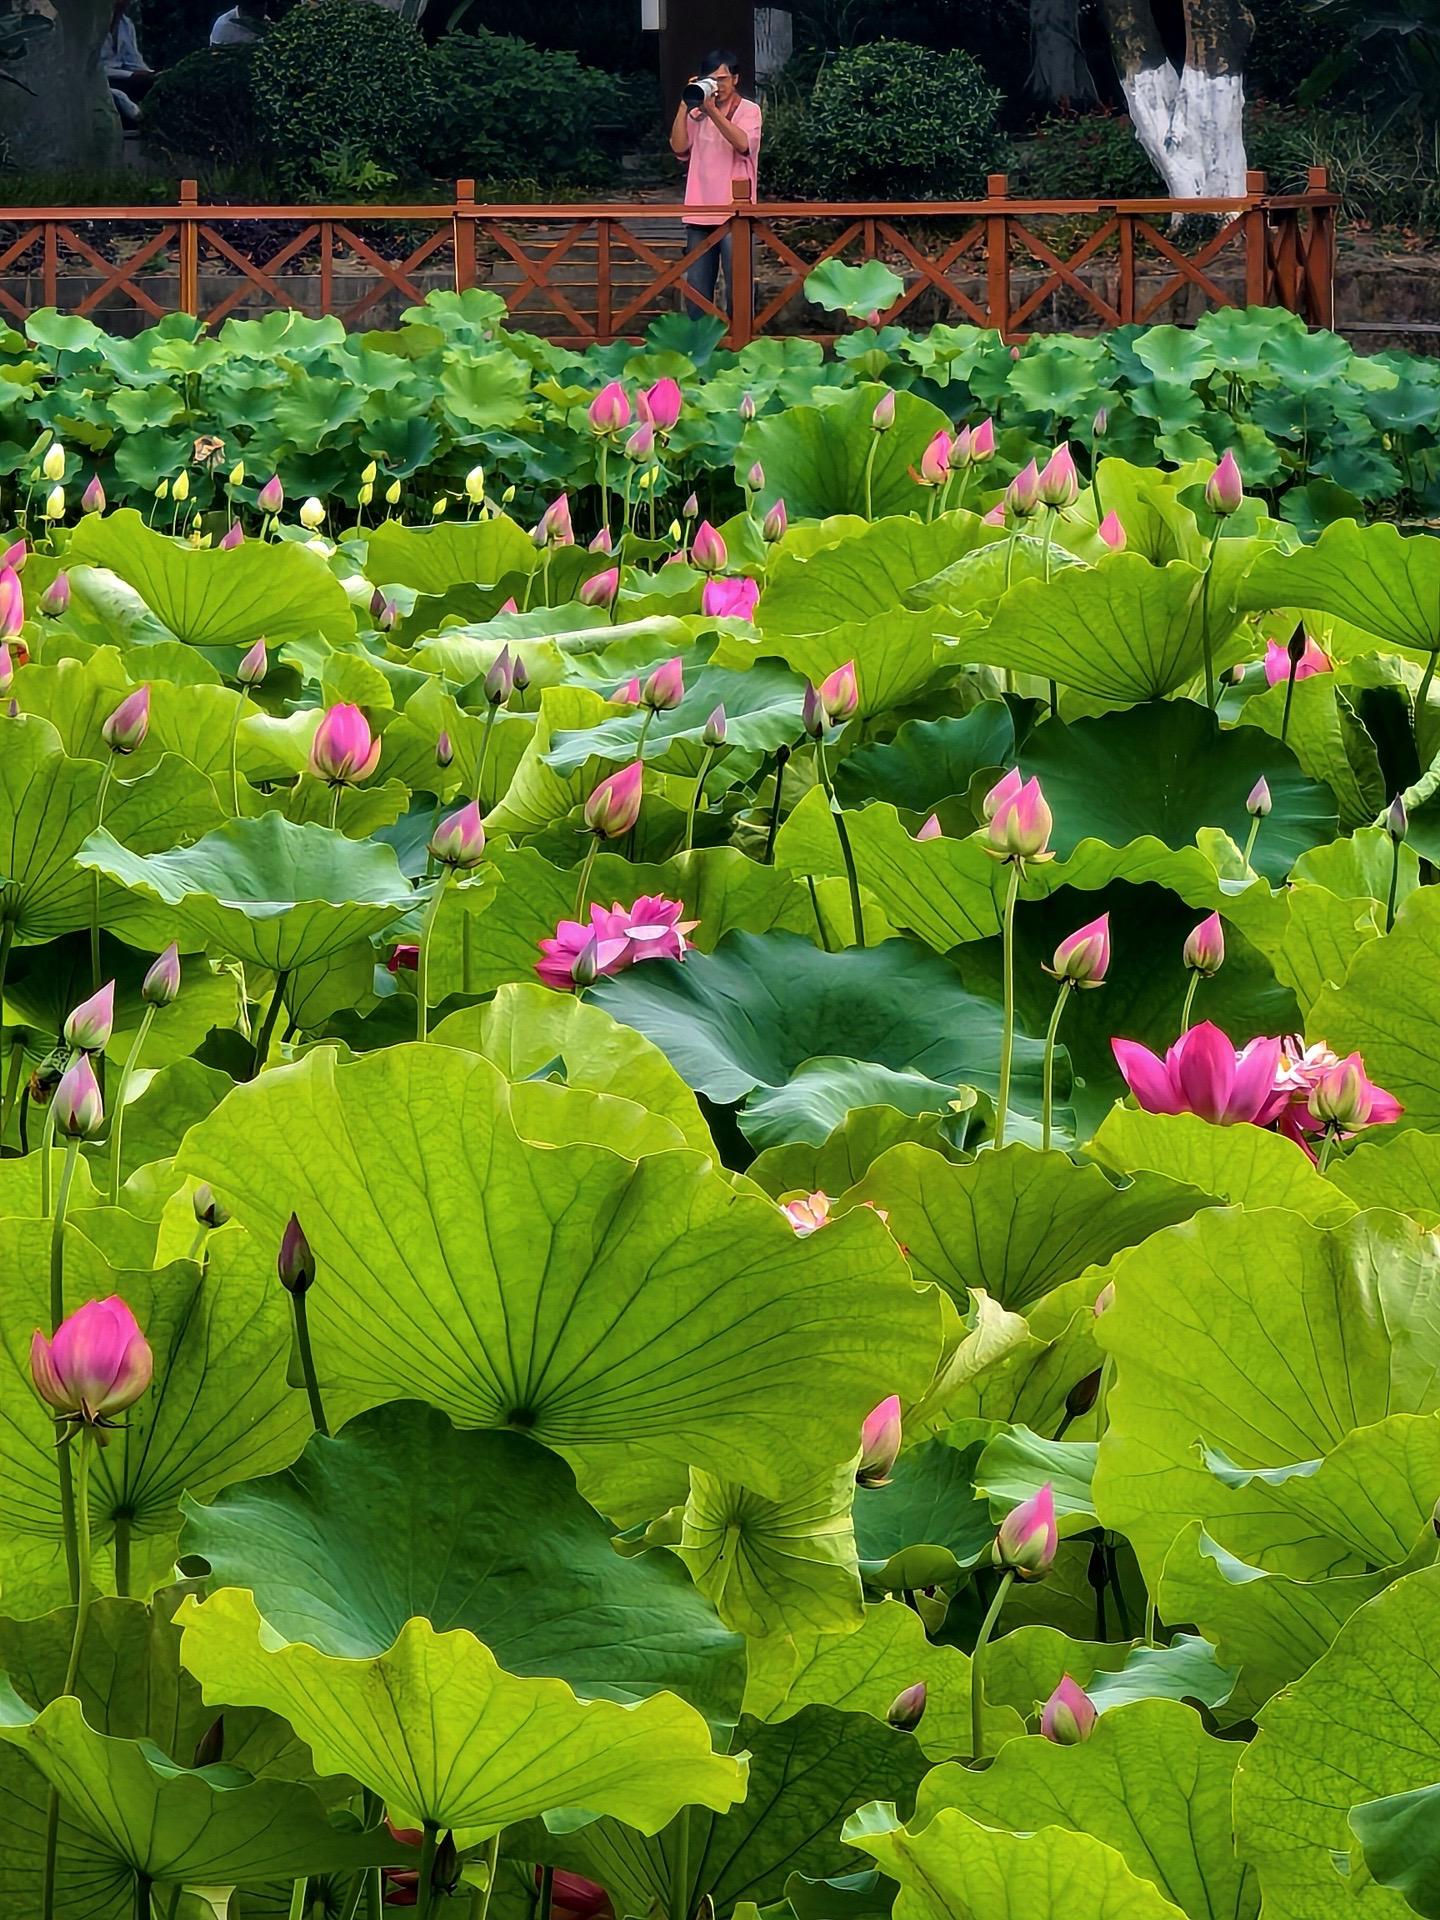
480 1904
547 1893
1424 693
7 941
977 1668
1327 1147
1046 1109
422 965
870 474
12 1078
857 915
117 1124
582 892
335 793
782 760
1289 697
1389 903
267 1025
1189 1003
106 776
605 485
300 1897
705 765
1252 836
84 1439
1205 619
680 1874
1007 1031
478 795
235 758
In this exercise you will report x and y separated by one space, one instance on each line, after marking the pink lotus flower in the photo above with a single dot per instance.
609 411
1059 482
995 517
931 830
775 524
1225 488
161 984
614 938
1344 1099
55 600
665 688
1204 950
640 444
883 417
665 401
92 500
508 606
1005 789
271 497
879 1443
708 549
602 543
734 599
127 726
1204 1074
960 450
934 469
88 1028
600 589
713 733
15 556
556 529
1068 1716
1084 957
1022 496
233 536
79 1109
499 682
614 806
1313 659
98 1363
1112 532
1258 802
834 702
255 665
629 694
755 479
982 442
907 1709
7 669
344 751
1100 425
807 1212
1019 827
459 841
1027 1539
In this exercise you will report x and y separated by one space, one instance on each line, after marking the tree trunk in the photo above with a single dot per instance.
60 116
1189 122
1059 72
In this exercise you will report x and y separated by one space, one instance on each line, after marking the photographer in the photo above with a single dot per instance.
717 132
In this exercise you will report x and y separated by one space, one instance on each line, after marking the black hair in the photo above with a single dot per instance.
722 57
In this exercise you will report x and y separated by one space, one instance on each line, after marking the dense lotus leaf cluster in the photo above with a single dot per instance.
758 1237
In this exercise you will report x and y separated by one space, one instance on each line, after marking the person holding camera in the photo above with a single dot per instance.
716 131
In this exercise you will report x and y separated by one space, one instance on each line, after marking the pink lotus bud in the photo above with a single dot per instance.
1059 483
1344 1098
79 1111
254 667
89 1027
509 606
344 751
1022 496
1258 803
602 543
934 468
883 417
614 806
161 984
1397 820
1084 957
1104 1299
271 497
295 1263
640 444
1019 828
691 507
812 711
7 669
459 841
755 479
666 686
840 695
610 409
773 527
1225 488
1005 788
500 678
879 1443
734 599
556 524
15 556
56 598
931 830
1302 657
1068 1716
12 602
1204 951
208 1211
1014 353
630 694
746 408
601 589
1027 1538
233 536
715 728
92 500
995 517
665 401
907 1709
982 442
387 616
1112 532
708 549
98 1363
444 749
1100 425
128 725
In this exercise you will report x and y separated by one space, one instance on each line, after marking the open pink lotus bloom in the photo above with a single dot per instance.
344 751
732 599
808 1212
1312 661
98 1364
651 929
1203 1073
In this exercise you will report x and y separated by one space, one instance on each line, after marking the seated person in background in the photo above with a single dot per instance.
130 79
241 25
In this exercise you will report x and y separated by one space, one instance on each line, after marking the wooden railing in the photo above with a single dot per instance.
588 274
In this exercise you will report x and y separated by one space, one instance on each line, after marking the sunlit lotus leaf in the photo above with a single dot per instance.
815 457
1027 1665
1375 576
1385 1009
1399 1169
1242 1165
430 559
775 1565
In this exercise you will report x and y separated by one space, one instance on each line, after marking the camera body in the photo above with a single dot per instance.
699 91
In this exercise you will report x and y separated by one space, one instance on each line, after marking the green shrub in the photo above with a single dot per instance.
507 109
1387 172
345 76
1085 156
202 109
887 121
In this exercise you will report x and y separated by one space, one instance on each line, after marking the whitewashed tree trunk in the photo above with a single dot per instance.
1058 67
1189 119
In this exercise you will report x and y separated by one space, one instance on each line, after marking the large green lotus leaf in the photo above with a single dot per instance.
160 1109
444 1735
929 1502
1025 1666
215 599
846 1154
1018 1222
1183 773
1397 1837
929 760
265 891
864 1671
526 1028
896 655
1393 1169
1016 1463
1309 936
43 984
219 1409
1360 866
1175 1833
815 457
754 1011
1244 1166
1328 740
775 1564
539 794
856 291
872 572
953 1868
430 559
48 806
1362 1724
402 1515
1012 1369
619 1310
762 711
1381 580
1266 1340
809 1107
1388 1009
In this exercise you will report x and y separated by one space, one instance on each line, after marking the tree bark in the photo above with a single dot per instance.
60 115
1189 122
1059 72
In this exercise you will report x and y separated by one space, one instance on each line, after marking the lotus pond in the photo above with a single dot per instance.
715 1206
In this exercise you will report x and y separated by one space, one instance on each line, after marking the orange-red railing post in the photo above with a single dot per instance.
997 252
1257 248
189 241
1320 254
742 278
465 212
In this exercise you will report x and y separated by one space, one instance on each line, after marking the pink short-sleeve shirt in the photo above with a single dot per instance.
714 163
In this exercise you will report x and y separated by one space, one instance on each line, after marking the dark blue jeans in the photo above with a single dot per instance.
703 273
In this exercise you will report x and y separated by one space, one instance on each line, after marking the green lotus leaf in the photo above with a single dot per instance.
1309 935
855 291
402 1515
896 655
1017 1463
1244 1166
1360 1725
1360 866
753 1012
775 1565
1374 576
954 1868
1383 1009
1397 1835
928 1502
1013 1369
815 457
1026 1665
160 1109
846 1154
43 984
1400 1170
823 1091
1203 1314
1328 741
762 711
854 579
540 794
1017 1223
267 891
445 1736
214 599
929 760
629 1311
